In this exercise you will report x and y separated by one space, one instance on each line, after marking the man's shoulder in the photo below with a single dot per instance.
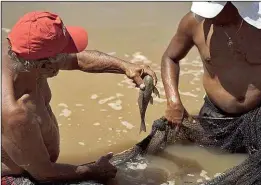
188 24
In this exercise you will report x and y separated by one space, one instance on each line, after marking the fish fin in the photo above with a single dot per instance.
156 92
142 126
151 100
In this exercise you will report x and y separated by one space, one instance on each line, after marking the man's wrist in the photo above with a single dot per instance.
84 171
124 66
174 101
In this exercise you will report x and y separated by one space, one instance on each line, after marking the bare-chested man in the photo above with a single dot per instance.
38 47
228 38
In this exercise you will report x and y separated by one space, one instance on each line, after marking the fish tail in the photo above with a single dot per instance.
142 126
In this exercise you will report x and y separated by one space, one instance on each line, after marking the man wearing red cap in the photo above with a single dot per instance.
38 47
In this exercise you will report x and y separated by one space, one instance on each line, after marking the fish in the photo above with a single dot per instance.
145 96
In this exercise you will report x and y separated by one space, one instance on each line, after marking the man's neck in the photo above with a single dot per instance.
228 16
229 21
28 78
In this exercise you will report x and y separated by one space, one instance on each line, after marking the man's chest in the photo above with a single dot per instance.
221 47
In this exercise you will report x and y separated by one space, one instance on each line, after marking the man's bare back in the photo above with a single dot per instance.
231 72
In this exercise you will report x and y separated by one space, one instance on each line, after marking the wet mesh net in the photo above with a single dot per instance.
240 134
231 134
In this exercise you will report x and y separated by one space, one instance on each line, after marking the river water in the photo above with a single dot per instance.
98 113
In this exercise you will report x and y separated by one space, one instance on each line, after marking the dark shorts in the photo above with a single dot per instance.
235 133
210 110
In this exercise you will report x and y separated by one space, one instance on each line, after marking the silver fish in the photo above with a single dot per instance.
144 99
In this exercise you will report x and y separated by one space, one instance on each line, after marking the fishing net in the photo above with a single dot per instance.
230 134
241 134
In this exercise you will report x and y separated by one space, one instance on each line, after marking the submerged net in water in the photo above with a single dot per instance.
237 134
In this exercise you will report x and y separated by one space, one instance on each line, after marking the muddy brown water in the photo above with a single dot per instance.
98 113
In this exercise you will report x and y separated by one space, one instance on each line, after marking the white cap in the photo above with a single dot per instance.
250 11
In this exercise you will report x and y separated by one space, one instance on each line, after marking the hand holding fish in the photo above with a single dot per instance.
138 72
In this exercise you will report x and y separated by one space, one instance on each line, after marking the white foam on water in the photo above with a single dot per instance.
81 143
96 124
106 99
120 84
217 174
103 110
125 131
159 100
138 57
126 55
193 72
136 165
197 63
116 105
119 117
188 94
94 96
65 112
69 119
127 124
110 129
78 105
119 94
199 180
203 174
190 175
127 81
6 30
63 105
82 109
112 53
59 124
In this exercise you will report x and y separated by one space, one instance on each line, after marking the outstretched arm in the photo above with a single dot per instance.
98 62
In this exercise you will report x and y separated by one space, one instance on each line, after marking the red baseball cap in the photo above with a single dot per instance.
41 34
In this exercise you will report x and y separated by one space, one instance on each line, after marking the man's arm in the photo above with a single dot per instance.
22 140
179 46
99 62
93 61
